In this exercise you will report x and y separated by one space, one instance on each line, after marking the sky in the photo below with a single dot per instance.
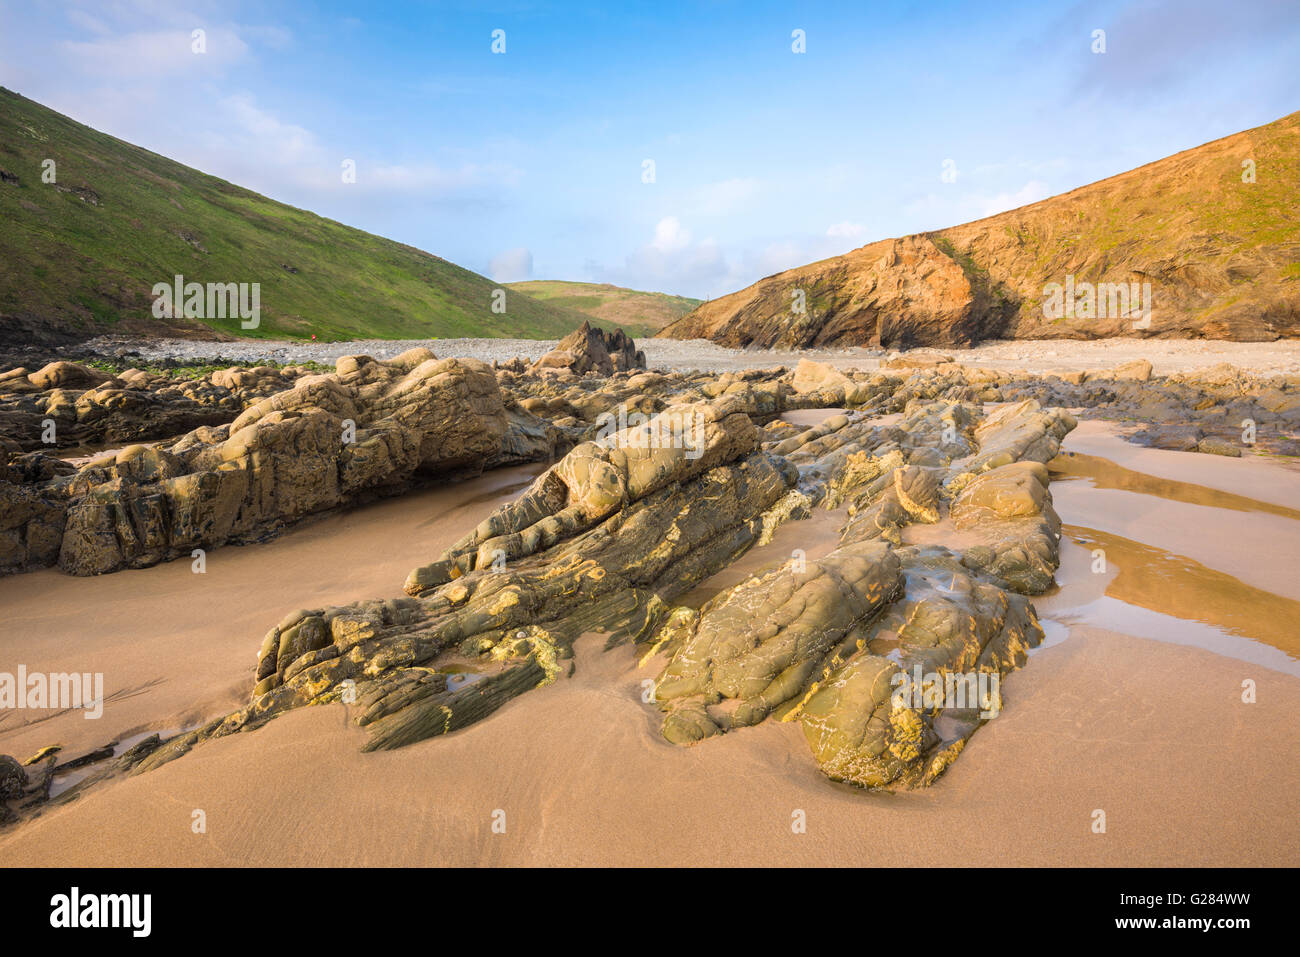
683 148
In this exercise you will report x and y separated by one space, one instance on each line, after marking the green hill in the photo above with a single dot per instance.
81 255
639 313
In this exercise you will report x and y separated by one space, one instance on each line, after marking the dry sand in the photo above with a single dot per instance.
1132 716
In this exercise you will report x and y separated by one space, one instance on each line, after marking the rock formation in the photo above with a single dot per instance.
64 405
888 649
590 349
602 541
243 479
610 535
831 641
369 428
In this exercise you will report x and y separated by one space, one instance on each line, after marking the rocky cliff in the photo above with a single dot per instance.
1202 244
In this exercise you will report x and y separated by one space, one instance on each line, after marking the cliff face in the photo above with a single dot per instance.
1186 247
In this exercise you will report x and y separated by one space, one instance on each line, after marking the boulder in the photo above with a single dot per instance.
1139 370
590 349
67 375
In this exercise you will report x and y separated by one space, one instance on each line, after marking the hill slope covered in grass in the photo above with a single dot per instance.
639 313
1221 255
81 255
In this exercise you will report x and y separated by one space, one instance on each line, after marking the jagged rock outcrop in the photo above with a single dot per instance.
64 405
330 439
888 649
369 428
760 646
603 540
611 534
32 517
1229 411
595 480
1219 411
831 641
590 349
897 293
864 722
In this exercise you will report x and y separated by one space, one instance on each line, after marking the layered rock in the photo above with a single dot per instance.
1221 410
855 644
32 514
590 349
611 534
603 541
896 293
864 722
595 480
64 405
830 642
367 429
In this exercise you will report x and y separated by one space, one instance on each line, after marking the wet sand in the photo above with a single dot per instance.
176 648
1133 707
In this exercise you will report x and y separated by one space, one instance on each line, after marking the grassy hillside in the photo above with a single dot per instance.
82 254
1221 255
639 313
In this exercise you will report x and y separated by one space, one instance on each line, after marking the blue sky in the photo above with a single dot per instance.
529 164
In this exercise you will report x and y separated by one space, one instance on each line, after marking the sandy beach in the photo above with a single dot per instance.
1133 707
475 438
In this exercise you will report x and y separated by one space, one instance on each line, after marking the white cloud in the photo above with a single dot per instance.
845 230
156 53
671 260
425 177
512 265
283 143
670 237
252 146
1031 192
277 38
940 210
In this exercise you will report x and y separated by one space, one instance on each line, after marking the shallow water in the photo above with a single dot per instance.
63 780
1120 582
1142 588
1105 474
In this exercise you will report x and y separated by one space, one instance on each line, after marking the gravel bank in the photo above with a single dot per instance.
1166 355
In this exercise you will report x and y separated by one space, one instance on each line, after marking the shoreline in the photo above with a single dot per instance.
1167 356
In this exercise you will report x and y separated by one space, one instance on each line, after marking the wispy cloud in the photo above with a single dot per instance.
158 53
512 265
846 230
